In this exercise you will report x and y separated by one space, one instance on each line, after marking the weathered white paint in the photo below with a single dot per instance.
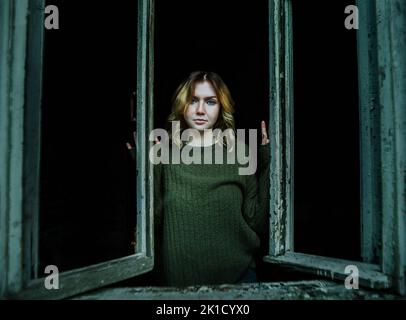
391 28
370 164
295 290
369 274
19 169
13 19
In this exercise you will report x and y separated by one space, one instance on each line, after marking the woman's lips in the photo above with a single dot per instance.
199 121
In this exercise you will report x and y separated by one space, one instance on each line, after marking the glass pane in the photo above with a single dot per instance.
88 190
326 131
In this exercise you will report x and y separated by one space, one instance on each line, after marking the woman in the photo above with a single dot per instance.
208 217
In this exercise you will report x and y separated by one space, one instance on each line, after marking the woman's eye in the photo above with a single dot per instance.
211 102
194 100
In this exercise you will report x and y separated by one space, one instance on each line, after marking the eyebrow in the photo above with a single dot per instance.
207 98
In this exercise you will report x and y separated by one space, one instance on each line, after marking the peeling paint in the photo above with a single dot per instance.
298 290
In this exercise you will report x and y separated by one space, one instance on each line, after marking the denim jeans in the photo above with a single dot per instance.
249 276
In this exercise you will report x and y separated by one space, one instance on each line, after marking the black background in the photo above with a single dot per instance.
88 201
327 196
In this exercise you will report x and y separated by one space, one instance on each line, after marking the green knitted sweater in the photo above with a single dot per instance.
208 218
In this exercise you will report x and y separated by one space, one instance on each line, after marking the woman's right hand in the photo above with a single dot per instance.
132 149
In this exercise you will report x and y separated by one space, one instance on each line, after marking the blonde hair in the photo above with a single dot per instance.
183 96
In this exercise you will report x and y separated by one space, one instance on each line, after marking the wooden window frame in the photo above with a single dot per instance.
383 232
382 149
21 52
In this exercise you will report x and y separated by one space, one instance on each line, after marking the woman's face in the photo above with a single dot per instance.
203 111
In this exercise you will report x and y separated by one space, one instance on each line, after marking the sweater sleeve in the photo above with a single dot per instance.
256 197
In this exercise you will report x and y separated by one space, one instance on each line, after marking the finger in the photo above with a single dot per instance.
157 141
129 147
263 127
264 141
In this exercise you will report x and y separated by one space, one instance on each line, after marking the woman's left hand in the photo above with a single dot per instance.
265 139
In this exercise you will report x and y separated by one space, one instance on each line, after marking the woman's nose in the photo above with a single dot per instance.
200 108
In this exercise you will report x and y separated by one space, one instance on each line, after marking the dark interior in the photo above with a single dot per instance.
88 200
326 131
227 38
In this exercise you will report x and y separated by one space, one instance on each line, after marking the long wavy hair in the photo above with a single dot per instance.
183 97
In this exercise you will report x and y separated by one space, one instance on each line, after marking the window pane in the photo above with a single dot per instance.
88 196
326 131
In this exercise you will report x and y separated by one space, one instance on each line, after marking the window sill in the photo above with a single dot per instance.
298 290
